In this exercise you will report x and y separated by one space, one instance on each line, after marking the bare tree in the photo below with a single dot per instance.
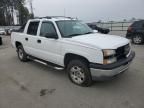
31 7
7 9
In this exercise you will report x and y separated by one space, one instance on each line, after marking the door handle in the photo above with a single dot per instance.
26 39
38 41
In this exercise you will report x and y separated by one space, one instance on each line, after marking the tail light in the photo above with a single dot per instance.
129 29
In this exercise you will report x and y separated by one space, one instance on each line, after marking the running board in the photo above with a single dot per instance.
51 65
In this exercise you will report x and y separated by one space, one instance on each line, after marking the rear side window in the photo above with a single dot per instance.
137 24
143 24
33 27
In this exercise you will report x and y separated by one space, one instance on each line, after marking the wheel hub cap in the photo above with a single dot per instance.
20 53
77 74
137 39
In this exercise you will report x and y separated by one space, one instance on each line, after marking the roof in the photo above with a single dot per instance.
54 18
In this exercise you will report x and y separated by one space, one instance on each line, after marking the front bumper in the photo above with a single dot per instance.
99 71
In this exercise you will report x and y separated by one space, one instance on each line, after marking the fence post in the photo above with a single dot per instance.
111 26
122 25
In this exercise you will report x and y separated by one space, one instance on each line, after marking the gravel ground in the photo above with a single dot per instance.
33 85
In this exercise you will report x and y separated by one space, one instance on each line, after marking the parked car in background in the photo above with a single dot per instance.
0 40
8 31
99 29
135 32
2 32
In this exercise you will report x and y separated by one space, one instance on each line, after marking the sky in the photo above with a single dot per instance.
91 10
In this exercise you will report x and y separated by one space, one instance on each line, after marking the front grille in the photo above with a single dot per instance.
122 52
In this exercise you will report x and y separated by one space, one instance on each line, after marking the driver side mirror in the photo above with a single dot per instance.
51 35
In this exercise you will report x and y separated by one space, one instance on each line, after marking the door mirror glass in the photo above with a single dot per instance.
51 35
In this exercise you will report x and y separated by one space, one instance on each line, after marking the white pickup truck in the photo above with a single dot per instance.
69 44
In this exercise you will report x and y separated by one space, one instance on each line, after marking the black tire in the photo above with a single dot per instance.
21 54
84 75
0 40
138 39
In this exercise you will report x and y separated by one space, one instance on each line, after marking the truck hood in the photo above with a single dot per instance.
101 41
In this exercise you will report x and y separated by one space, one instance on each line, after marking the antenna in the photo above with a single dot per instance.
64 19
31 7
64 12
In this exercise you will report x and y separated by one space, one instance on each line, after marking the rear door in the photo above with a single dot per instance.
31 38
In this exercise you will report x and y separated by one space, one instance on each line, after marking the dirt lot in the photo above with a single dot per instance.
33 85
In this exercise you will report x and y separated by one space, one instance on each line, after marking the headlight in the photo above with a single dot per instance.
108 52
109 56
110 60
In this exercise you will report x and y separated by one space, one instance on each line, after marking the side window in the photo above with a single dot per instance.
143 25
22 28
137 24
47 28
33 27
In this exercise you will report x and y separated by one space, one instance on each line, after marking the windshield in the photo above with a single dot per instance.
70 28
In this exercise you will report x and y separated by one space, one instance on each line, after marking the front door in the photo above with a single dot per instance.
49 47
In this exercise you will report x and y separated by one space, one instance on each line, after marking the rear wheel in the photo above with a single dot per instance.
21 54
79 73
138 39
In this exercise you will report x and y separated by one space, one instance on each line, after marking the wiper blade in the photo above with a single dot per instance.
74 35
88 33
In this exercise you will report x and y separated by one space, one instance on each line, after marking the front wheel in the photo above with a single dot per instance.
79 73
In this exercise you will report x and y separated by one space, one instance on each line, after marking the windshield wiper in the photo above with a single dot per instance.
88 33
73 35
